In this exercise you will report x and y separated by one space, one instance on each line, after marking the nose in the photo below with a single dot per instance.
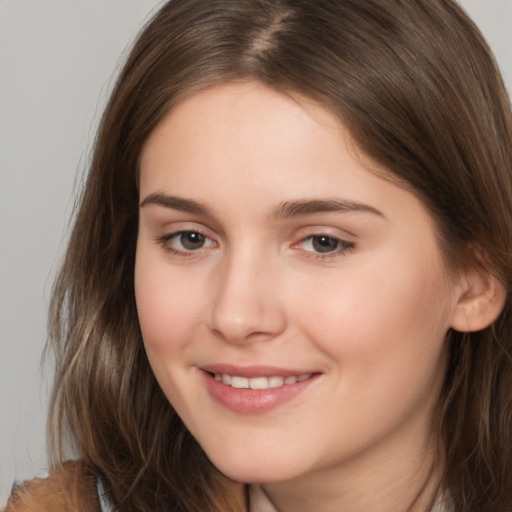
247 304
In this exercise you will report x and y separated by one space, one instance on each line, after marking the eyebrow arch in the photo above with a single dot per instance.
175 203
285 210
311 206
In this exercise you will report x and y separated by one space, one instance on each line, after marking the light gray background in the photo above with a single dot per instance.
57 62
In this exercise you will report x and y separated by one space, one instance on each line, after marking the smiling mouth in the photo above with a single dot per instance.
255 390
272 382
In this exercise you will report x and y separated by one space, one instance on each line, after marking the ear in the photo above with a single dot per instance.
481 300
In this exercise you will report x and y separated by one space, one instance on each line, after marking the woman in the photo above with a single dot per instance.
288 283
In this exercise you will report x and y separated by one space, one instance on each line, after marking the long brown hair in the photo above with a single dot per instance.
419 90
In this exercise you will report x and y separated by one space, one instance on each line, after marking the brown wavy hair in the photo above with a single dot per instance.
420 92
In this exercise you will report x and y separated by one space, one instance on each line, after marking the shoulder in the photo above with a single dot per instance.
70 488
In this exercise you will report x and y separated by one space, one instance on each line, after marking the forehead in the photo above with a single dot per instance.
245 104
244 123
245 144
241 103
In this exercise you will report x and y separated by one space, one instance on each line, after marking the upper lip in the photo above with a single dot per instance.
254 371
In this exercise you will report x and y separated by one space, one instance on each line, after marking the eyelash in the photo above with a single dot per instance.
165 240
342 248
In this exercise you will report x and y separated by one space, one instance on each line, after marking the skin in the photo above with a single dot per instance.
368 317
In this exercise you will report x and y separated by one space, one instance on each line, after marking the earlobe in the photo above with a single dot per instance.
480 302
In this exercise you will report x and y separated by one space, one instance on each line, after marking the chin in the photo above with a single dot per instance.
256 472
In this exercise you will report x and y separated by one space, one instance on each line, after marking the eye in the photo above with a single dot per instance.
185 241
191 240
325 245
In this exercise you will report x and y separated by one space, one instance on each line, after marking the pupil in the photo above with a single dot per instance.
192 240
324 244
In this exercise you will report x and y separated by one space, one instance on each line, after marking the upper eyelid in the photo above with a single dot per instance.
166 220
169 229
211 224
330 231
174 227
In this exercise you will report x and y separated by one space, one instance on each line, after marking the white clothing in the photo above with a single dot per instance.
259 502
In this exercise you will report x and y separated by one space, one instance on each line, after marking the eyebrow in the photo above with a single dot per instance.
285 210
305 207
175 203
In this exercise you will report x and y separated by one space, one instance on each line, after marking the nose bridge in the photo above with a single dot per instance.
246 301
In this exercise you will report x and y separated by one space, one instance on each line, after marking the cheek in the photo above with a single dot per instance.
169 313
167 308
381 327
383 336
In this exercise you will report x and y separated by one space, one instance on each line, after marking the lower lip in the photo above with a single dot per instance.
254 401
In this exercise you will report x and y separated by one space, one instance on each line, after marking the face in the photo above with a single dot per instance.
293 304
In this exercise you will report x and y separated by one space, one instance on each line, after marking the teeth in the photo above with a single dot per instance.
259 382
239 382
275 382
